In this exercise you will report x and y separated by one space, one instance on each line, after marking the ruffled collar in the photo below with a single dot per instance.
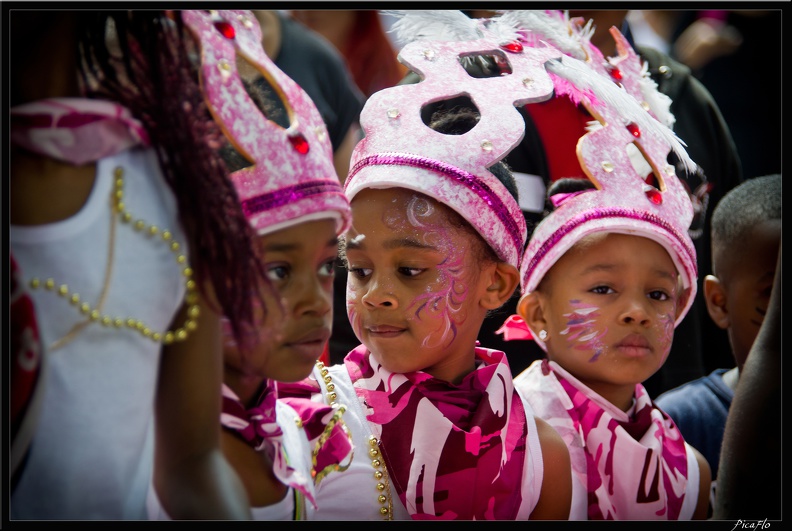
327 435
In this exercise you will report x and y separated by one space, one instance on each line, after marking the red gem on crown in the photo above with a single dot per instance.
299 143
512 46
654 196
225 29
615 73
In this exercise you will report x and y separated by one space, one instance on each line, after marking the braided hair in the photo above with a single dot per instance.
147 61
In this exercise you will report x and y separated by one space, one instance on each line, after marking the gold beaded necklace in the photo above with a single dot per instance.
94 313
380 470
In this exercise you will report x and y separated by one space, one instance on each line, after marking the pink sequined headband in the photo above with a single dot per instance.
292 178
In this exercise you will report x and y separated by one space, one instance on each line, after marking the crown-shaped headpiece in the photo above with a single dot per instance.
292 178
643 198
400 150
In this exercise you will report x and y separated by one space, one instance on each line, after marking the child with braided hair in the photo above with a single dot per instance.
290 194
132 241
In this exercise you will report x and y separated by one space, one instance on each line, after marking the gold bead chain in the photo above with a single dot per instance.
95 314
318 475
380 469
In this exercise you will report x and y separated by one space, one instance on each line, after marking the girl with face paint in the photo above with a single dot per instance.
436 404
434 247
606 277
606 310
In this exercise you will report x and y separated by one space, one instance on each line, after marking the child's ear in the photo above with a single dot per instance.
715 297
530 309
502 280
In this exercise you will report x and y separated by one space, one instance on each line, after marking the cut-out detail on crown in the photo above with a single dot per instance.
299 156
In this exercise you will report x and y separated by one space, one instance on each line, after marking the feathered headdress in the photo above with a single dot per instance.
539 55
623 152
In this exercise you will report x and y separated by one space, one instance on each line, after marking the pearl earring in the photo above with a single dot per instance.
543 334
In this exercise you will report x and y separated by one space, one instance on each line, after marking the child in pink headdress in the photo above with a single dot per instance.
292 198
435 241
606 277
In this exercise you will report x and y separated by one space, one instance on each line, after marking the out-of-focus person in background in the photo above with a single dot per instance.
360 37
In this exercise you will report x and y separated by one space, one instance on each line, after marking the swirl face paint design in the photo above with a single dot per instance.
442 300
581 331
444 303
351 304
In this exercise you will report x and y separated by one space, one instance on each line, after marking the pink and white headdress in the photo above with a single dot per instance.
292 178
625 146
400 150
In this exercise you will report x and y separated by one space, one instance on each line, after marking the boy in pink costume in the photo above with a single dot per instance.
606 277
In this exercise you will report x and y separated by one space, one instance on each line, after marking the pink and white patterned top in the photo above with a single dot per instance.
624 466
453 452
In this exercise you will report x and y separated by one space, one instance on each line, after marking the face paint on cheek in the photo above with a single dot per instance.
666 334
444 306
583 330
443 301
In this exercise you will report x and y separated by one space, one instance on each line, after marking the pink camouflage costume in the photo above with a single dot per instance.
439 450
627 465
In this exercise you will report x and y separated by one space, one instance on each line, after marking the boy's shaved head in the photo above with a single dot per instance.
755 201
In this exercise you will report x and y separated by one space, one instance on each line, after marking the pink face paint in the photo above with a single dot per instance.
351 304
582 332
443 303
666 336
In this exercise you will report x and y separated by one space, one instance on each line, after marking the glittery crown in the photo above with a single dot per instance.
291 178
624 153
400 150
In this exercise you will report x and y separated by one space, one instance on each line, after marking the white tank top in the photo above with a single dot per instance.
91 457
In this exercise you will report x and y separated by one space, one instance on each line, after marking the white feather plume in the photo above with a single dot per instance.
452 25
613 95
433 24
659 103
553 29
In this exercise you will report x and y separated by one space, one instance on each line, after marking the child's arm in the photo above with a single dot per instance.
749 471
705 483
555 499
192 477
